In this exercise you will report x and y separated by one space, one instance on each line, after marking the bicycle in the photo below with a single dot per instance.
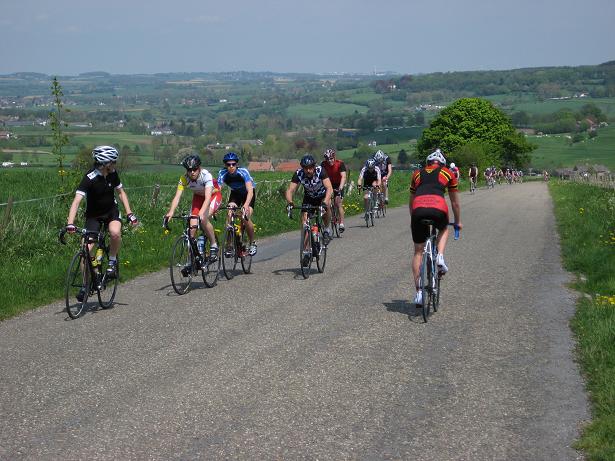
380 205
429 275
86 275
369 206
186 260
313 244
472 185
235 244
335 219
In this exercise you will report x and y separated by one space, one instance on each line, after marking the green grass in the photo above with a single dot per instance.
586 223
549 106
35 274
554 151
324 109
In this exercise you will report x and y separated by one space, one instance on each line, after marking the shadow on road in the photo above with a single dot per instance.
403 306
297 273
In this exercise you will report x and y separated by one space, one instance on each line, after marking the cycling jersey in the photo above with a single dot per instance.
383 166
334 171
370 176
312 187
456 172
428 186
236 181
99 192
473 172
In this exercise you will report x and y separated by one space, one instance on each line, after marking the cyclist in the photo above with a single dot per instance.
455 170
490 174
317 189
206 198
98 186
383 161
371 176
427 202
243 193
336 170
473 174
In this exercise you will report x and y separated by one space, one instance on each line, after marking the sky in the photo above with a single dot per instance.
68 37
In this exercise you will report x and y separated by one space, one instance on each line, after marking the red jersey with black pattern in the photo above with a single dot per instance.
428 186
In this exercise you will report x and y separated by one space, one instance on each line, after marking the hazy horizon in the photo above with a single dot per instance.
72 37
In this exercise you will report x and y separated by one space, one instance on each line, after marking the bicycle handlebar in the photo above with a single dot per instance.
305 208
188 217
78 230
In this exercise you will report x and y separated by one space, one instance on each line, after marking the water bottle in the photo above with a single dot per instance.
99 256
200 242
315 232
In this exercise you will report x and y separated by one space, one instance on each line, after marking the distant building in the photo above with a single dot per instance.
289 165
260 166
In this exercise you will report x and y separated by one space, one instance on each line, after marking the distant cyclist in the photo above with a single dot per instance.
455 169
427 202
336 170
317 189
383 162
473 174
243 192
206 198
99 186
370 177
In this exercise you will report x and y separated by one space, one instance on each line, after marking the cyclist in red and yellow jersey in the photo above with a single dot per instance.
427 202
336 170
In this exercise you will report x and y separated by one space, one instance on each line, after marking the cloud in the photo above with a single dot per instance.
204 19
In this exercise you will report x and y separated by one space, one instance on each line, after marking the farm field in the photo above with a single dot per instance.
324 109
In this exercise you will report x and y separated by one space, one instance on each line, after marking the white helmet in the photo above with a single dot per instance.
436 156
105 154
452 165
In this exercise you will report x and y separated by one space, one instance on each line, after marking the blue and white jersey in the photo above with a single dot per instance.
236 181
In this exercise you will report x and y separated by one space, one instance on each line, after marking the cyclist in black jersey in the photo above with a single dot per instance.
98 186
317 188
369 176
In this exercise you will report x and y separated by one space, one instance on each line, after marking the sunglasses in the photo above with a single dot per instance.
190 170
231 164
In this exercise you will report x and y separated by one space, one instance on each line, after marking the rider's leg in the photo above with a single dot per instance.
115 232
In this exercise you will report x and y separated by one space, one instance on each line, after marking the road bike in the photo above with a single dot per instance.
335 218
187 260
313 242
429 276
370 206
380 205
472 185
235 243
87 275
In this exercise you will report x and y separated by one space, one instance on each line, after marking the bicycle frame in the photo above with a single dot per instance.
310 246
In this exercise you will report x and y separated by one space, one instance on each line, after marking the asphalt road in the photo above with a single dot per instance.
338 366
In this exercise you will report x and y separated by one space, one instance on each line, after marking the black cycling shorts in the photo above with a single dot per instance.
420 232
239 198
314 201
93 222
337 192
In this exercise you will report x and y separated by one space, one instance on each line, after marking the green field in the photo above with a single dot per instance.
607 105
324 109
554 151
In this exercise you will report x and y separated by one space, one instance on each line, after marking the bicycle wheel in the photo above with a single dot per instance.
229 253
76 282
371 217
180 265
425 283
107 287
305 251
246 257
436 294
335 227
211 269
383 209
321 257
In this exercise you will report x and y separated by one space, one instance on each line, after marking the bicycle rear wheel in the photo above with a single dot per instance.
321 258
246 257
77 282
107 287
229 253
436 295
211 269
305 252
425 284
181 266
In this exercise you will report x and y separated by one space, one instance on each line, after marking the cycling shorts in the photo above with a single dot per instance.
238 198
337 192
420 232
314 201
93 222
214 204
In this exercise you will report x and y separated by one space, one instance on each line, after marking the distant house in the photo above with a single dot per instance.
260 166
527 131
290 165
161 132
5 135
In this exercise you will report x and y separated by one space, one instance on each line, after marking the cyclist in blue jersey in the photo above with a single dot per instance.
243 192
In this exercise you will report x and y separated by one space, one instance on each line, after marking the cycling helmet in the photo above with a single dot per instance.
191 162
452 165
231 157
379 156
370 164
105 154
329 154
436 156
307 160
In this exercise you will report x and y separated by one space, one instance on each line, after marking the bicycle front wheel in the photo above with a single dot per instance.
77 286
321 257
211 269
425 284
229 253
335 226
246 257
181 266
107 287
305 252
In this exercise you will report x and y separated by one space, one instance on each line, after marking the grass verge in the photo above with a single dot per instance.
586 223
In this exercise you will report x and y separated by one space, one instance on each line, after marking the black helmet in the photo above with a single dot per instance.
191 162
307 160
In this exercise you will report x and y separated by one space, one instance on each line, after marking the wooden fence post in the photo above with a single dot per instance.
155 193
6 216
